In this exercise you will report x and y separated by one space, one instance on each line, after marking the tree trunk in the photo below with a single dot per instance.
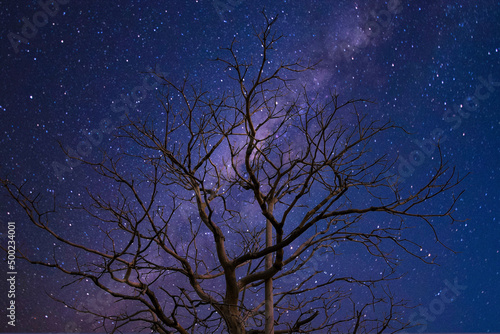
230 310
269 302
234 324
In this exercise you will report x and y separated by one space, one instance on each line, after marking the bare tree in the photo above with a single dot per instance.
223 208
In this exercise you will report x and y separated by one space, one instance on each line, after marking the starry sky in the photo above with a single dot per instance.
433 67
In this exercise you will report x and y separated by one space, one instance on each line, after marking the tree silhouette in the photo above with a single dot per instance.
226 213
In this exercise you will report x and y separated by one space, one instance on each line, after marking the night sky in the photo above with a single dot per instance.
432 67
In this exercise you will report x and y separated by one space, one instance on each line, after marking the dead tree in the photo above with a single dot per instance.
185 204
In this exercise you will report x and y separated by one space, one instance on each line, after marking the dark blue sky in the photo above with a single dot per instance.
433 67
